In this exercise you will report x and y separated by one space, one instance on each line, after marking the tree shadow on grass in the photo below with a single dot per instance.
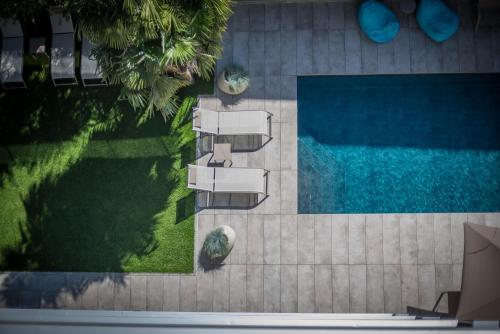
93 219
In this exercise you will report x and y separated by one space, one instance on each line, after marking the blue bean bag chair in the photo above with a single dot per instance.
377 21
437 20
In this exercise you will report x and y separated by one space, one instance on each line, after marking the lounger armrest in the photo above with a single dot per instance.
266 175
191 175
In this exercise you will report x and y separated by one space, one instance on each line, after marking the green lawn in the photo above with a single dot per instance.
98 195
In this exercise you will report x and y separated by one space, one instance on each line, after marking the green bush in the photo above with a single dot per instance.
236 77
216 244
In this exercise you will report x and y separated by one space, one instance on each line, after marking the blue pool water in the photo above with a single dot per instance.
405 143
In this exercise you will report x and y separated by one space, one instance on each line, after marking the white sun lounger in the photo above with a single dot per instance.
89 70
247 122
11 67
228 180
62 53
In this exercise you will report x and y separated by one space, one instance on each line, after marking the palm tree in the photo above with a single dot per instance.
153 47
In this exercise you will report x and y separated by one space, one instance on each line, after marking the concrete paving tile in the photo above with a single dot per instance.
408 239
417 51
483 49
289 281
323 239
288 147
273 93
442 237
350 16
496 48
357 239
272 232
256 239
450 55
336 16
272 52
171 293
238 254
138 292
257 17
240 18
374 239
187 293
386 62
320 61
476 218
255 288
320 16
369 55
457 276
409 285
304 16
340 282
289 239
272 150
357 288
391 247
237 288
323 289
221 289
289 110
305 239
204 226
204 290
154 292
492 219
272 286
105 293
289 191
240 48
375 288
425 238
122 293
288 16
402 51
31 299
257 92
457 236
273 17
306 297
288 47
433 56
466 50
288 91
353 51
340 239
337 51
426 286
272 204
304 52
256 56
392 288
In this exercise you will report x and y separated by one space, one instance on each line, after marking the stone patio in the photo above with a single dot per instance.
282 261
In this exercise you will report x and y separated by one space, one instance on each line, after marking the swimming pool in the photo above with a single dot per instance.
400 143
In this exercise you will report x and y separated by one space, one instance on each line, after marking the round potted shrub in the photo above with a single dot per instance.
233 80
219 242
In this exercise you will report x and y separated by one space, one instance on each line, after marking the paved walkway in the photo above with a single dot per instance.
282 261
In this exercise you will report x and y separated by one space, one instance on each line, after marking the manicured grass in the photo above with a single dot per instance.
79 197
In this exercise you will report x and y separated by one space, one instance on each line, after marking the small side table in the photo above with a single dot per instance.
222 153
407 6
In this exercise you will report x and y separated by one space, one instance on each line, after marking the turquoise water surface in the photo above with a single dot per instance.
401 143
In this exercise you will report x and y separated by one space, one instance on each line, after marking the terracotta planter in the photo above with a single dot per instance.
224 86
